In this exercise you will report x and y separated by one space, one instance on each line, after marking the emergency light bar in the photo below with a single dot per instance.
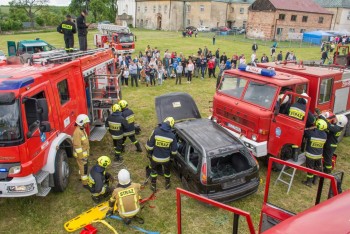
257 70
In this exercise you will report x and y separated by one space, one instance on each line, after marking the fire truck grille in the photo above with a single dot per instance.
126 46
237 119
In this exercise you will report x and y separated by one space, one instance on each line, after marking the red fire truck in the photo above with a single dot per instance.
119 38
39 103
342 56
248 104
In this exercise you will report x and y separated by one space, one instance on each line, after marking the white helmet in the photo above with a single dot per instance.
124 177
305 95
341 120
285 100
82 119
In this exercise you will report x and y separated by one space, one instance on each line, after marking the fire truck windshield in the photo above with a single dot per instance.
233 86
260 94
128 38
9 122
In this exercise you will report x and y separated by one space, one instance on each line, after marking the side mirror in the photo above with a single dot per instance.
32 128
45 126
43 109
277 108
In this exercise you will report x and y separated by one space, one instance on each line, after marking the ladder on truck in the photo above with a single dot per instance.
111 28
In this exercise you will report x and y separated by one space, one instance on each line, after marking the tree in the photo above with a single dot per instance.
76 6
30 7
98 8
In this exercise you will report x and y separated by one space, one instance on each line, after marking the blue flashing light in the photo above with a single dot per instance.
257 70
3 170
13 84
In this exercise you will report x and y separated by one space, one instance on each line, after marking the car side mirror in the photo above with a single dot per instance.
45 126
43 109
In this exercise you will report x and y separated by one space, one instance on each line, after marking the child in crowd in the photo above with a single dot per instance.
179 69
148 75
160 74
126 76
152 74
173 74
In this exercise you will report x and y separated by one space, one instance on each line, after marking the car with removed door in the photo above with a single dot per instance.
210 161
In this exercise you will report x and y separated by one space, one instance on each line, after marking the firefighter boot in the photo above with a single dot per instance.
295 153
138 146
167 183
154 184
315 180
308 182
118 157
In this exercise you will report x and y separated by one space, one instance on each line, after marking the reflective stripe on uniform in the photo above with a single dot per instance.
163 142
154 158
100 193
328 167
317 142
296 113
295 146
114 137
67 26
83 138
79 150
130 119
310 176
337 134
84 177
85 153
313 156
334 145
149 147
129 133
114 126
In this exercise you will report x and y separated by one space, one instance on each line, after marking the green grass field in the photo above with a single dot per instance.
48 214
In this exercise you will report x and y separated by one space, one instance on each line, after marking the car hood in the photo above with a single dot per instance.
180 106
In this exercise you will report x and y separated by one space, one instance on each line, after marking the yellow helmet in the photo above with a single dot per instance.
123 104
321 124
116 107
104 161
170 121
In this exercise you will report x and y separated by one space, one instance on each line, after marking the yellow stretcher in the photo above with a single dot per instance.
96 213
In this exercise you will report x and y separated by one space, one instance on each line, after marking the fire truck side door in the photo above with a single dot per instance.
11 47
285 130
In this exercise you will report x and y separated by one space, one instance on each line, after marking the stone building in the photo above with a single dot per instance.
177 14
341 13
126 12
283 19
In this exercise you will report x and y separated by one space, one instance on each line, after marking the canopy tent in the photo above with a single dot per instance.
316 37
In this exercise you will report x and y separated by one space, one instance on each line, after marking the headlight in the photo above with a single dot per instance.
15 170
20 188
254 137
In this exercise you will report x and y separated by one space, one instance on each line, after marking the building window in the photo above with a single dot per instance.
304 18
165 9
293 18
159 8
320 20
241 10
279 31
201 22
291 30
202 7
188 22
146 22
145 9
63 91
188 8
138 9
281 16
302 30
154 9
232 9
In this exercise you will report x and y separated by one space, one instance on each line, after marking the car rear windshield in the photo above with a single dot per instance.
232 86
229 165
260 94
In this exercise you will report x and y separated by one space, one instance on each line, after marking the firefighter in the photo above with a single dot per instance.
125 198
82 30
68 29
81 146
297 111
333 133
316 138
129 116
116 124
99 179
160 146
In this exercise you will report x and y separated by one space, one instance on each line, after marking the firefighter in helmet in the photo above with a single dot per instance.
160 146
129 116
297 111
117 125
68 29
333 133
81 146
125 198
316 138
99 179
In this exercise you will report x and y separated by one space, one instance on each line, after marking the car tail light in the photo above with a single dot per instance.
204 173
256 161
263 131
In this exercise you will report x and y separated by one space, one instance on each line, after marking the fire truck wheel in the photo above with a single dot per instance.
61 174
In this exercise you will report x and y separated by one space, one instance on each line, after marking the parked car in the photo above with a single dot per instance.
224 29
215 29
2 56
210 161
242 31
192 28
204 29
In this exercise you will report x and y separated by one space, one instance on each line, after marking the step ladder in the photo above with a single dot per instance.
301 160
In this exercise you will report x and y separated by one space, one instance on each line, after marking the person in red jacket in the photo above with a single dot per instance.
211 65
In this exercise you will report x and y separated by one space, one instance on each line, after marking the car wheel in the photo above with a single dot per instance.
184 183
61 174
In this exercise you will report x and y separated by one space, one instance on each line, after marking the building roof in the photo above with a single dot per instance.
299 5
333 3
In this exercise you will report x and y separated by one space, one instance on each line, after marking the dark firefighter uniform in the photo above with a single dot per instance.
129 116
81 151
68 29
313 152
117 125
161 144
98 182
333 132
126 200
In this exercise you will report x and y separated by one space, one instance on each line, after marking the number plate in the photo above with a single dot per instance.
233 183
238 129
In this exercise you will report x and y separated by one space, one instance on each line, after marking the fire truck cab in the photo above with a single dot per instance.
39 104
248 105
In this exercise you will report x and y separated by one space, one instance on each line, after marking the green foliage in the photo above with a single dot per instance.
10 24
76 6
39 21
